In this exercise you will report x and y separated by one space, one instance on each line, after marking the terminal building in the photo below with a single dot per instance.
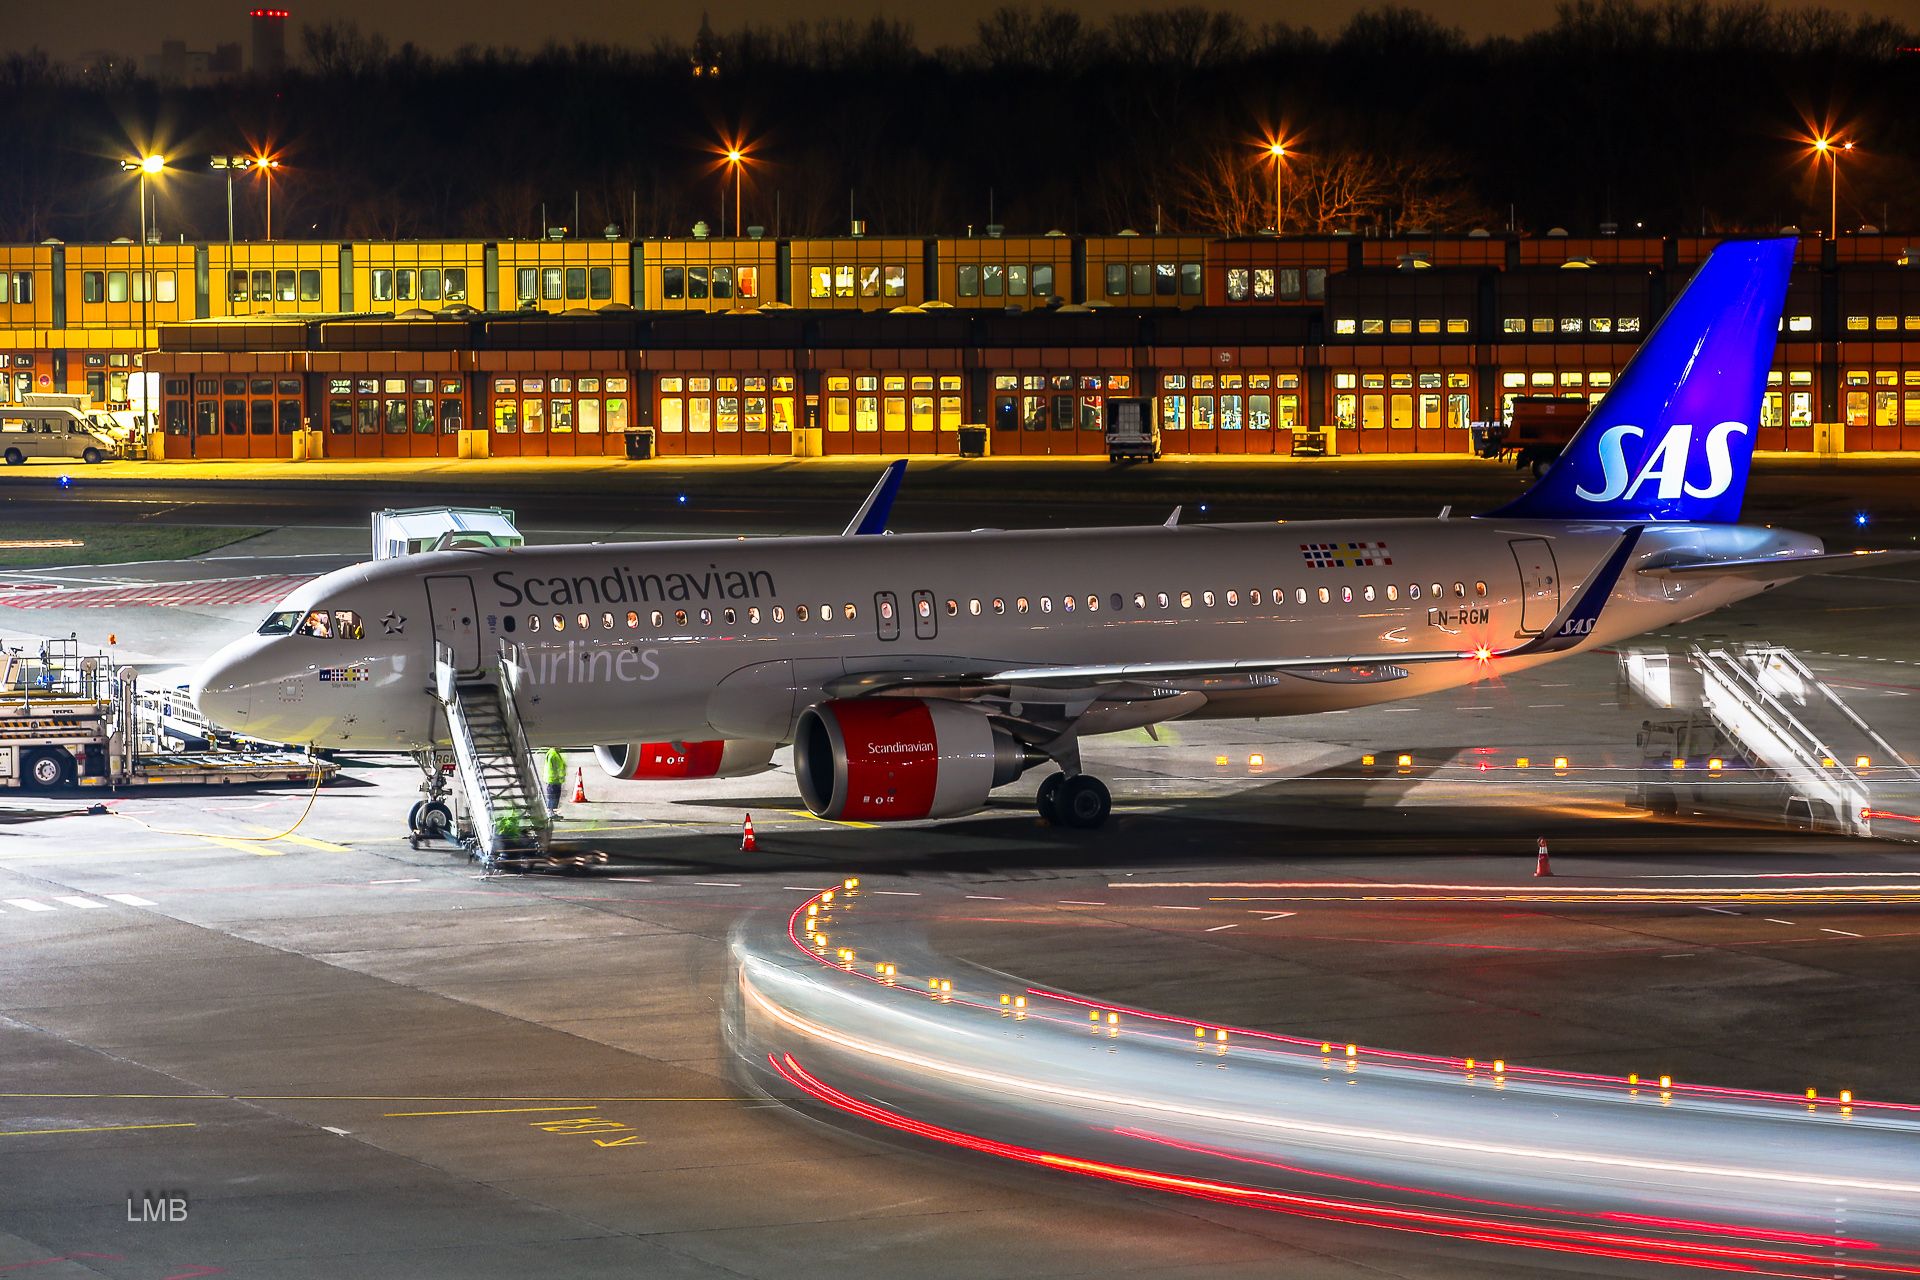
861 345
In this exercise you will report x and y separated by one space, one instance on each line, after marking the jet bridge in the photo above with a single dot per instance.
1750 729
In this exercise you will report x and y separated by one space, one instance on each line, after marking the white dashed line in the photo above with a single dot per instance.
28 904
718 884
1075 902
129 899
898 893
984 897
407 880
1842 932
1773 920
85 904
1163 907
1277 915
1720 911
1217 928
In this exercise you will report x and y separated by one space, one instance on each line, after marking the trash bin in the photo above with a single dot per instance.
973 442
639 445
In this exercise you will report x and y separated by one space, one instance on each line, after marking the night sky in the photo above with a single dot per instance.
441 26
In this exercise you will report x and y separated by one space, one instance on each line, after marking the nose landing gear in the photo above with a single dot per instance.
431 817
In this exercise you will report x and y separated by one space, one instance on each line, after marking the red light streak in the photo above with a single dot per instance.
1391 1217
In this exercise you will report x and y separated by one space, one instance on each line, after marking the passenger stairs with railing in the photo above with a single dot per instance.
1761 732
503 797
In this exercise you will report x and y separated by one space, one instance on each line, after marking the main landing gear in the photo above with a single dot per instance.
1081 800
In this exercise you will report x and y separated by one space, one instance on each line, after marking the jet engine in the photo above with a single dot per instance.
895 759
725 758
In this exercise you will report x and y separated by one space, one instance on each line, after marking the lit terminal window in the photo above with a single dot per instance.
1629 324
1513 324
1343 327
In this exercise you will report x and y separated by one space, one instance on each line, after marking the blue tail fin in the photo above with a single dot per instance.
1673 438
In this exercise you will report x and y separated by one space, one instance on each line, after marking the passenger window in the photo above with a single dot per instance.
706 617
779 613
584 621
559 622
1093 604
1367 591
1139 600
1116 601
973 607
1393 592
1459 590
1413 591
1161 599
1020 605
1186 599
633 620
999 605
506 623
953 608
852 613
1438 591
727 616
753 615
606 622
346 625
1233 599
533 622
1480 588
1253 597
1346 595
1046 604
1066 603
679 617
1324 595
657 619
1206 598
800 613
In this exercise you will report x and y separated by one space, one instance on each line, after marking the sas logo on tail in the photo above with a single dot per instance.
1665 466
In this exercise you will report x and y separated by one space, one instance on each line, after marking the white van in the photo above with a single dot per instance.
52 431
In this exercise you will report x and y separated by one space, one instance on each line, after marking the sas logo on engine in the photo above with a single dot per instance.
345 675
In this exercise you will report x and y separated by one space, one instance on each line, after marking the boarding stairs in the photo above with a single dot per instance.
503 797
1783 739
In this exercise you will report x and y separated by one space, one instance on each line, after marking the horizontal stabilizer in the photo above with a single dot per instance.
1780 568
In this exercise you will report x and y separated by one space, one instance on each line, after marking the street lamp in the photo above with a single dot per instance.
144 167
736 158
1830 150
227 164
1278 150
264 167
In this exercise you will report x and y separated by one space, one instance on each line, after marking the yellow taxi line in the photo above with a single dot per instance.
832 822
104 1128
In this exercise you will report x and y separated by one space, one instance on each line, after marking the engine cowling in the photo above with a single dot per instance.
896 759
721 758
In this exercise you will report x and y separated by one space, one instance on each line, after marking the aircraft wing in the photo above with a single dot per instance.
1781 568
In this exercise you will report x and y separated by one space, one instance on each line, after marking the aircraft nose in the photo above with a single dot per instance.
220 694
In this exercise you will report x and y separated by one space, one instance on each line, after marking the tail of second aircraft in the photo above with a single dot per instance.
1673 438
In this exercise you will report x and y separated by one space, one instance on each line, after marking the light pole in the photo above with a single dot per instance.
1278 151
735 157
227 164
143 168
264 167
1830 150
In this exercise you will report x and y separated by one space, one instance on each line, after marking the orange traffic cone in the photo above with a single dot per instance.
1542 867
579 786
747 842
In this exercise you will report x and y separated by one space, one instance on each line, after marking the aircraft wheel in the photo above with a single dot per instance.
1084 802
435 820
1047 799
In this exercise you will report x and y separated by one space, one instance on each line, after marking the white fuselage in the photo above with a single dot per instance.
734 639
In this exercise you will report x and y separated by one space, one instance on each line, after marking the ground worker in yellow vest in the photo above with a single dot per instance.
553 767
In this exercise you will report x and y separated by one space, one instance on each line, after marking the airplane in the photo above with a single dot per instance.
914 674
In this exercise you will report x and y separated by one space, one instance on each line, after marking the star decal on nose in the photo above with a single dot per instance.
394 623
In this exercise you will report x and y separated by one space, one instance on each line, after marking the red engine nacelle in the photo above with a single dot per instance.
728 758
894 759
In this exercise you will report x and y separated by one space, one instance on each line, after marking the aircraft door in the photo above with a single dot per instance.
1539 584
455 621
886 615
925 623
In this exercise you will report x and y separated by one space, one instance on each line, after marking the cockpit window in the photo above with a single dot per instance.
346 625
318 623
279 624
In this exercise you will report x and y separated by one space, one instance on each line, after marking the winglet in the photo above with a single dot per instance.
873 513
1582 614
1173 521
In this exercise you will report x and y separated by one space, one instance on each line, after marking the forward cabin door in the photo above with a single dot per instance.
450 597
1539 584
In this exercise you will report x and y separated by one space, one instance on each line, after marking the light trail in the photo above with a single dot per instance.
1700 1176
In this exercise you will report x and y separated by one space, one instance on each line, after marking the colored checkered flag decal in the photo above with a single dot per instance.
1345 555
